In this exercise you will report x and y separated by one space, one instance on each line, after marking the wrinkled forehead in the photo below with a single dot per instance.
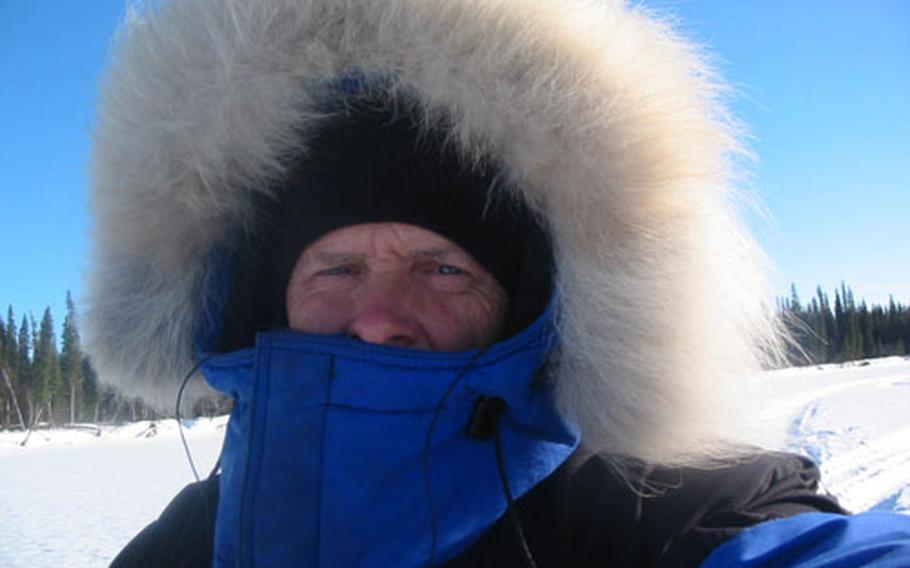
382 241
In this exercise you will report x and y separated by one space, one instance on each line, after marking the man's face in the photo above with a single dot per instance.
395 284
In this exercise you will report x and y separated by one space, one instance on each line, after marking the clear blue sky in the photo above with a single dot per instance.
823 85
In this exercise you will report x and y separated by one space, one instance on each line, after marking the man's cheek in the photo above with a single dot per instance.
328 314
481 321
459 324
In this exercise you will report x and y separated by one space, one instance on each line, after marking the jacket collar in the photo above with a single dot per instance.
343 453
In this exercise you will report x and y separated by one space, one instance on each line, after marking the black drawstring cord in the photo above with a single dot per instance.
186 447
200 491
426 449
483 425
514 519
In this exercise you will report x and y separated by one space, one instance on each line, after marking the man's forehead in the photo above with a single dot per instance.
359 242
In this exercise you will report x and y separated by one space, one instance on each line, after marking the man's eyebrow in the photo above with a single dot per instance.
431 253
327 257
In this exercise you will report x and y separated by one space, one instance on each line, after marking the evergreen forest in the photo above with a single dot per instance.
43 384
835 332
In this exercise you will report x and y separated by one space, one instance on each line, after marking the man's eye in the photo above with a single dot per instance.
448 270
342 270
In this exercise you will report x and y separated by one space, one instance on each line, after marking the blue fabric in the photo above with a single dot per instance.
324 461
820 540
217 289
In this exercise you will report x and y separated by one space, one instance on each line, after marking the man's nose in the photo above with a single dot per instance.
386 321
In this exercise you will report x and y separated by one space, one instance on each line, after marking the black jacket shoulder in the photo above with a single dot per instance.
585 514
588 514
182 537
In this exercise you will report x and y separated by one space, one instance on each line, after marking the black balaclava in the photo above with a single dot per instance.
370 163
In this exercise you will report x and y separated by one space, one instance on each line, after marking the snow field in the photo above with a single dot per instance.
72 499
852 419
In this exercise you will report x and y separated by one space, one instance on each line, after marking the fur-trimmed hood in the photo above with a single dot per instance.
605 120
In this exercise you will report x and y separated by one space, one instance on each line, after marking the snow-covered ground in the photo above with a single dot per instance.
70 498
852 419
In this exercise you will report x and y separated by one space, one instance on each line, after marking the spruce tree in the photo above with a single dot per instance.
895 329
830 325
854 340
795 306
840 327
47 365
818 349
24 368
866 335
11 344
71 358
10 389
798 326
33 327
91 397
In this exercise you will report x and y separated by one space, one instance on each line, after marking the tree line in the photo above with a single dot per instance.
843 331
43 385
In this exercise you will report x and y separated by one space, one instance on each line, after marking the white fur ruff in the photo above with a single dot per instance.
608 123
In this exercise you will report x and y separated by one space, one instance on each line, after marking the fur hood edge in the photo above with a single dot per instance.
608 123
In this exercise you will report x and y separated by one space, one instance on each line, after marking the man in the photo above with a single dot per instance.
469 271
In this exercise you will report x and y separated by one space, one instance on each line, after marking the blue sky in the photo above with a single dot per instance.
823 86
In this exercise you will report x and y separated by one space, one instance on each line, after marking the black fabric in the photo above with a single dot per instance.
371 163
586 515
583 515
182 537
